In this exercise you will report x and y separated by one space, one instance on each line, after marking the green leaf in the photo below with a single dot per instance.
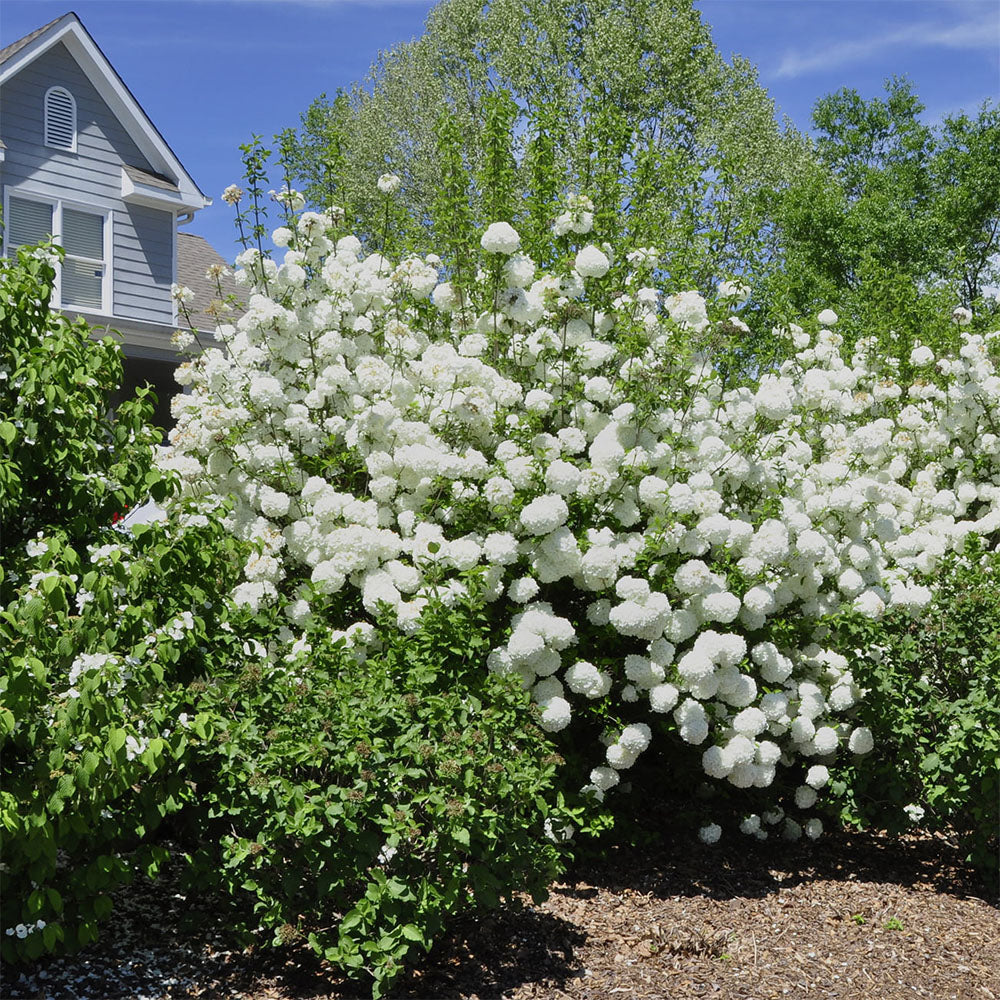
116 741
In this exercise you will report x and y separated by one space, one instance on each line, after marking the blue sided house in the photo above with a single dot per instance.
81 161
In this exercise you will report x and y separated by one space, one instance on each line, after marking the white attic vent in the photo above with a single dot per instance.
60 119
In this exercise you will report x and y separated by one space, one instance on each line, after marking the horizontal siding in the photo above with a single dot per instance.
142 237
137 311
143 242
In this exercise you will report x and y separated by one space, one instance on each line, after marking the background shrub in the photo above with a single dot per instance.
63 460
94 622
933 707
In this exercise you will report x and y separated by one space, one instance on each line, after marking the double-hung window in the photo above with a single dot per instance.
83 279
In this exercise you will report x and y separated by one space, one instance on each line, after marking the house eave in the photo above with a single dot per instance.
139 339
137 193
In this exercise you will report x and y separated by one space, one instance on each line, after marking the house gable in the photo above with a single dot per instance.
89 167
89 178
68 32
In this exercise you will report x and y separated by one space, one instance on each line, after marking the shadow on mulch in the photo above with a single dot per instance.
482 958
496 954
752 869
535 952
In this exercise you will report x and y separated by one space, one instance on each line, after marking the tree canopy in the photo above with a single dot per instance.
625 101
893 214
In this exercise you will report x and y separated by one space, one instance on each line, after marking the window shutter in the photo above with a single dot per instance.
30 222
60 119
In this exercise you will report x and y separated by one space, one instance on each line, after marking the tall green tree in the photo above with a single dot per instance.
625 101
896 221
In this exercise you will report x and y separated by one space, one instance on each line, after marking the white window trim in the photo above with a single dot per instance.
57 205
45 119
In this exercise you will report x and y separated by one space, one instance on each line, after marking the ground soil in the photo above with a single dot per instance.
853 917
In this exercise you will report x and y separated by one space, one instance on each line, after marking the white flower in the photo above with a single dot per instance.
914 813
688 309
962 316
591 263
500 237
710 833
544 514
523 590
636 737
556 713
604 777
921 356
827 317
861 741
750 722
388 183
734 290
181 293
825 739
36 547
805 797
584 678
721 607
663 697
817 776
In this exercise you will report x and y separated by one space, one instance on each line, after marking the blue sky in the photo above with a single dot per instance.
209 73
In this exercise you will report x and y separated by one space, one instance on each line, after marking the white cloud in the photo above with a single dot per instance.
982 32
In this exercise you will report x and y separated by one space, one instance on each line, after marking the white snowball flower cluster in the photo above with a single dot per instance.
591 263
645 530
578 217
500 237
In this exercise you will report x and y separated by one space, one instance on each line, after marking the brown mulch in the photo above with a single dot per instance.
849 917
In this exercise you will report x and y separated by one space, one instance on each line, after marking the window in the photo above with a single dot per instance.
83 265
28 222
60 119
83 281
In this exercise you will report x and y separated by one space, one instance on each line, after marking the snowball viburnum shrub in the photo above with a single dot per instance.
651 535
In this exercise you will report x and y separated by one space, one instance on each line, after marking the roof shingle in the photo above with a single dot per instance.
194 257
9 50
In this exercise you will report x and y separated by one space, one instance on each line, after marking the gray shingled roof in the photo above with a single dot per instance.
194 256
151 180
9 50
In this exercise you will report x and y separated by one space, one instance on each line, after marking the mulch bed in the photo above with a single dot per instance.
849 917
